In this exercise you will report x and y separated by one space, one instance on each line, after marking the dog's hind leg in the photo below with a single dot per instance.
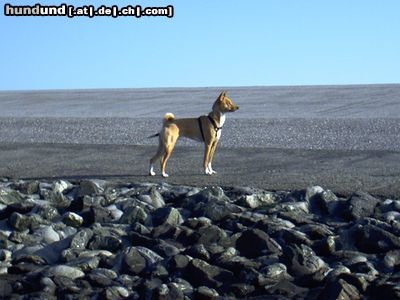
167 153
160 151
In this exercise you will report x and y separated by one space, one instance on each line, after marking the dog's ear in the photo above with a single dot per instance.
222 95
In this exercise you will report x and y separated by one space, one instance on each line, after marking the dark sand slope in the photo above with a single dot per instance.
91 132
376 172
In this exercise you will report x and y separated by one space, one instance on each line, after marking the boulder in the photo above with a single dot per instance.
23 222
134 260
166 215
91 187
257 199
373 239
72 219
198 272
304 264
205 293
360 205
81 239
65 271
339 290
133 214
254 243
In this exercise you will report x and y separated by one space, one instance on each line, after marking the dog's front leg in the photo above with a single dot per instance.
206 160
214 146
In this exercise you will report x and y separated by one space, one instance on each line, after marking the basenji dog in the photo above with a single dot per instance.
205 129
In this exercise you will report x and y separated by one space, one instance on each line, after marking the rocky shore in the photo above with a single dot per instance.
110 240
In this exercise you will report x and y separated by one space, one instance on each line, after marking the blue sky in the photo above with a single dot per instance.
207 43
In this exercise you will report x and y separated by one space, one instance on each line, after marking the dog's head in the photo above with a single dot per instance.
224 104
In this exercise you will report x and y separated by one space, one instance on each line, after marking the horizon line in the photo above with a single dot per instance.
198 87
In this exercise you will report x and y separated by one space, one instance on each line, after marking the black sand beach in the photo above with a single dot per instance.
342 137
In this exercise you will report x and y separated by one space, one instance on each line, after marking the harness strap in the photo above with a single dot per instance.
214 124
201 128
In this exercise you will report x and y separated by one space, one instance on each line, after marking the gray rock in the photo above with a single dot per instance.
81 239
286 290
198 272
302 261
24 222
208 195
153 198
205 293
179 261
216 210
312 192
180 287
100 280
65 271
211 234
166 215
235 263
47 234
166 249
360 205
100 215
392 259
115 292
391 216
242 290
85 264
389 205
339 290
134 260
254 243
198 251
257 199
72 219
275 272
47 212
373 239
157 199
60 186
150 256
105 241
133 214
292 236
57 199
91 187
8 196
316 231
28 187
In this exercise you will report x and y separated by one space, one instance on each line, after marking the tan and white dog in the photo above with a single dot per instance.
206 129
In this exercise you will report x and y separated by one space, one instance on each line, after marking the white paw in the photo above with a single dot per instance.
209 170
151 172
165 175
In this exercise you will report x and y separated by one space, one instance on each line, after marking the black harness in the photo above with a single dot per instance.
213 123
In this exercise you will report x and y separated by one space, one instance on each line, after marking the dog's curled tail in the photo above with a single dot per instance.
168 117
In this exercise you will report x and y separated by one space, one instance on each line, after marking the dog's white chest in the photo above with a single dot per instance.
221 123
222 120
219 134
